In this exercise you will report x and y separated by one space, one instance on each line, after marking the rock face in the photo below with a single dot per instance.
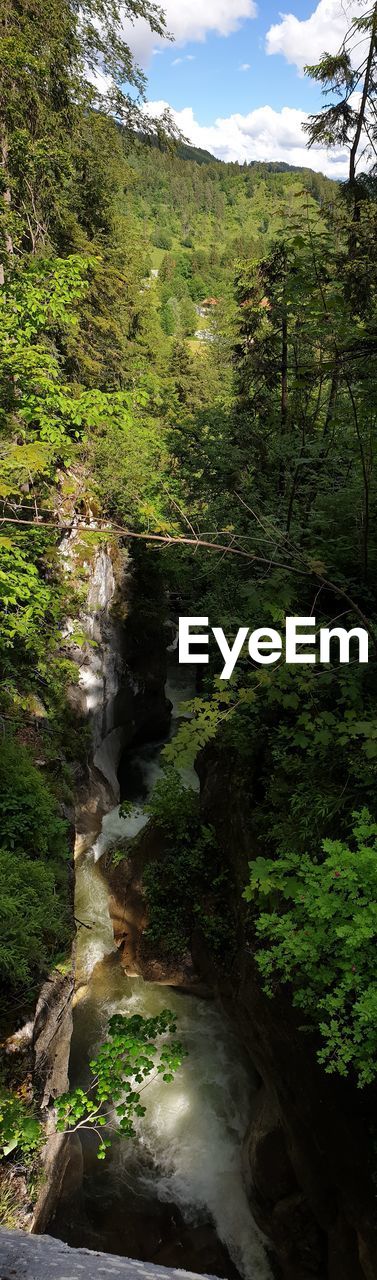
121 671
99 663
308 1157
274 1193
52 1033
128 913
51 1041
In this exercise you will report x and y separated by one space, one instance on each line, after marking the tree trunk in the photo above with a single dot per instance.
6 197
284 395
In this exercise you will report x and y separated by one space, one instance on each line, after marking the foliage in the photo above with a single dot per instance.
33 872
34 921
132 1055
49 87
29 823
316 926
41 415
189 891
349 119
20 1129
128 461
174 807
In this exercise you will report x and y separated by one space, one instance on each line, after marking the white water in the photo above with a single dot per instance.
95 938
193 1130
188 1146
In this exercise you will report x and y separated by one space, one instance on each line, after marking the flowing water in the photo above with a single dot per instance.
177 1187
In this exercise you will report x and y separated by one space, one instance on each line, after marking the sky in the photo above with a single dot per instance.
234 76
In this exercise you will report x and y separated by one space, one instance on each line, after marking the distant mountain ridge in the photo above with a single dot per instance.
188 152
198 155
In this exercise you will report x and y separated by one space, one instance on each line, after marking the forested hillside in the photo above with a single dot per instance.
188 358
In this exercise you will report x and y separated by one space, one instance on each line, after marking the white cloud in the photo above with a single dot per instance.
245 66
190 20
263 134
188 57
303 41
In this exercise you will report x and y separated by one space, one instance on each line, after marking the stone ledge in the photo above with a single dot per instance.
30 1257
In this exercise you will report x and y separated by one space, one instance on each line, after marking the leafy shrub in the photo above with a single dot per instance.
20 1130
162 240
24 600
169 317
318 932
29 823
174 807
33 920
189 890
33 872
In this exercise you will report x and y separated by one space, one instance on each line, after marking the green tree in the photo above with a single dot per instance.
34 910
51 55
350 77
316 928
188 318
169 317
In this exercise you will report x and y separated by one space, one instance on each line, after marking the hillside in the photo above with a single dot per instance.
200 218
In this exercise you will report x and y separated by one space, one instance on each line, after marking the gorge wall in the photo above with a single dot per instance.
118 645
307 1157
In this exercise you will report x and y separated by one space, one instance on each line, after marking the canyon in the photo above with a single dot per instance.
246 1166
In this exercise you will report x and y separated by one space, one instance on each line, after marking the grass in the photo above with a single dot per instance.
157 256
9 1204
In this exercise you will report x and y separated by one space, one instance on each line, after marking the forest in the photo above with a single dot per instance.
188 373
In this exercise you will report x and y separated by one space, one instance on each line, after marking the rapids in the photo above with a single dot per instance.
187 1151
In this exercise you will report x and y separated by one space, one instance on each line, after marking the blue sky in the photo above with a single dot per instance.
213 83
234 77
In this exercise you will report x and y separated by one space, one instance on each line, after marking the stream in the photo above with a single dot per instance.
174 1194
